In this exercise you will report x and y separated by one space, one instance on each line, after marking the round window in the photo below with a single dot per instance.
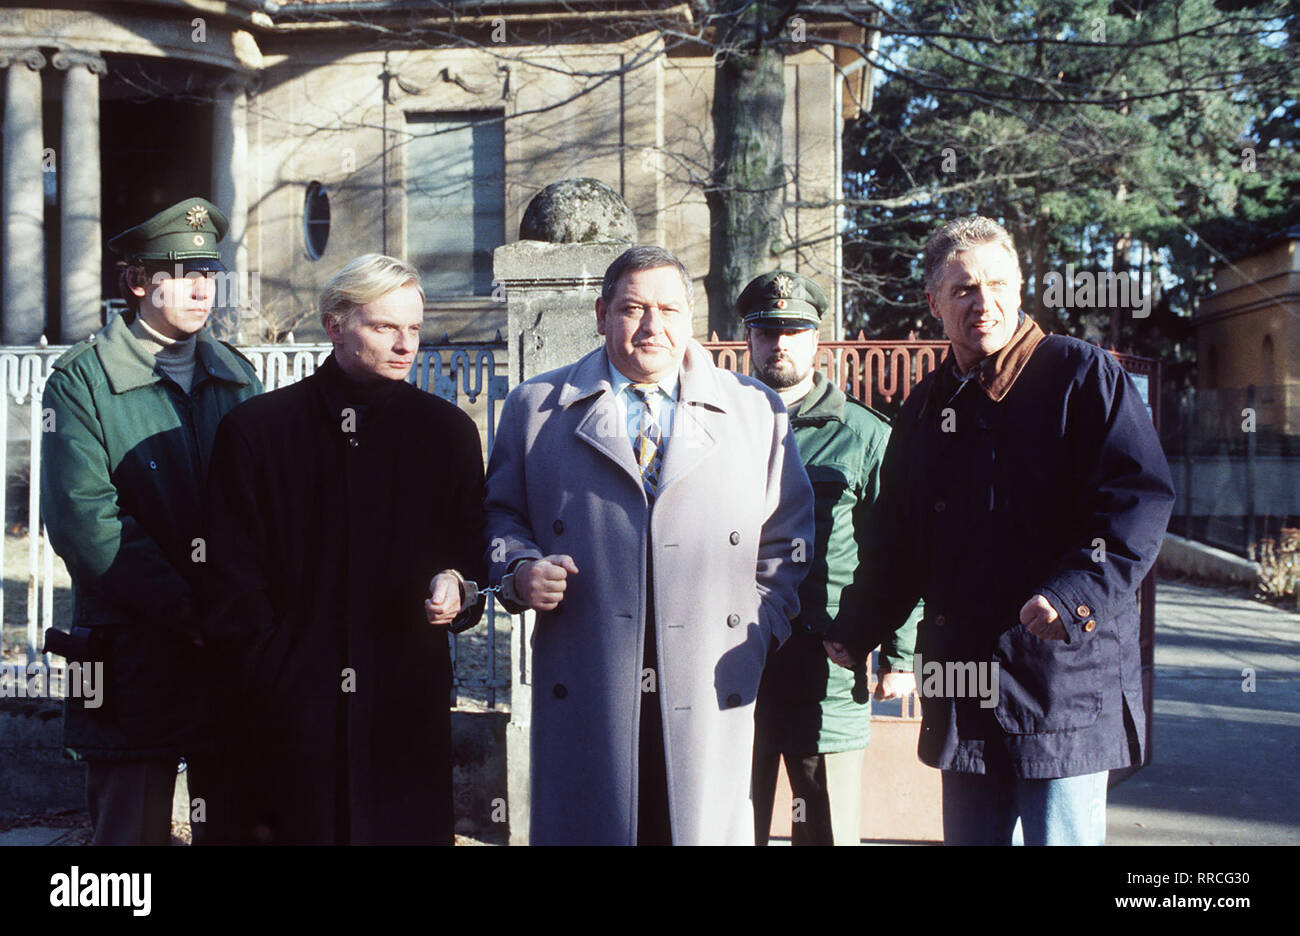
316 220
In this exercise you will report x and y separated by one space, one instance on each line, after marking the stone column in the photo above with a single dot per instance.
230 194
23 319
571 231
551 292
81 234
230 167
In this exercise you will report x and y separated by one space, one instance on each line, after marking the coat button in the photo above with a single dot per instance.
733 620
1089 626
153 465
735 538
1083 611
940 506
558 527
940 620
559 691
733 700
353 443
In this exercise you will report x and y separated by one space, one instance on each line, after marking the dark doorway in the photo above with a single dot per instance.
156 149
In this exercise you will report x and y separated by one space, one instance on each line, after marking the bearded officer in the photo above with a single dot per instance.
810 712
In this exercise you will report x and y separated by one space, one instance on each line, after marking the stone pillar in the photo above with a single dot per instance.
551 292
81 234
23 319
570 233
230 194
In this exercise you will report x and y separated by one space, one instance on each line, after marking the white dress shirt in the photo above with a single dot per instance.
662 403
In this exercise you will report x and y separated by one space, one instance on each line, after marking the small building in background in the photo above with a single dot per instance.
1248 332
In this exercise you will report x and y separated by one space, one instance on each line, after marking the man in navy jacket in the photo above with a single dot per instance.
1024 497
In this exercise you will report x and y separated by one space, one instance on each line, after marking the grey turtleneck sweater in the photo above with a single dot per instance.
175 357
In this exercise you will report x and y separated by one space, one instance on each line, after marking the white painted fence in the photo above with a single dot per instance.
464 374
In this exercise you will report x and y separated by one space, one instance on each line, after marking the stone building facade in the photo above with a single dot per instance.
1248 330
421 130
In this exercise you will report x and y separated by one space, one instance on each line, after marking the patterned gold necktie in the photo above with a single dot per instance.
648 447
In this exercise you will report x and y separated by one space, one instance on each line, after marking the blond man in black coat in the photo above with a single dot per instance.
345 516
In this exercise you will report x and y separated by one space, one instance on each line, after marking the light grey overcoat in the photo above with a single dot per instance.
731 532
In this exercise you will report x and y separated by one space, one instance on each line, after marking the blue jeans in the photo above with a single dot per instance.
1002 809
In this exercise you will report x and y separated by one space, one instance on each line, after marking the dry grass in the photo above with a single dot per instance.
1279 565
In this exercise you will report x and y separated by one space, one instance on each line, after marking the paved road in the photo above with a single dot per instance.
1225 767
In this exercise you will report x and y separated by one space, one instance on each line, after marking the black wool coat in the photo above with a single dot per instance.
331 506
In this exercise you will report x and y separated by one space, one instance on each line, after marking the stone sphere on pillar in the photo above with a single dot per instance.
578 211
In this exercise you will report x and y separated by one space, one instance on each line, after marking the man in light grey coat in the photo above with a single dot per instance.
654 511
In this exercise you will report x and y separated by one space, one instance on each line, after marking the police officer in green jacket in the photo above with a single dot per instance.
131 413
812 713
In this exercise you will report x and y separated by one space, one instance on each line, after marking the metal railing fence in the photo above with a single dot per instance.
463 374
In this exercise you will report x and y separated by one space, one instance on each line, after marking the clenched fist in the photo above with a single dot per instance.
541 582
839 654
1041 619
895 686
443 603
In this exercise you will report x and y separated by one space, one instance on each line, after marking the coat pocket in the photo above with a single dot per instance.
1046 685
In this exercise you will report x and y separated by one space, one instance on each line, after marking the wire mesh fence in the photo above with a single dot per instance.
1235 457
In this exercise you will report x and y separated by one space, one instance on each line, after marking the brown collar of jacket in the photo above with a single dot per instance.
997 372
994 375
